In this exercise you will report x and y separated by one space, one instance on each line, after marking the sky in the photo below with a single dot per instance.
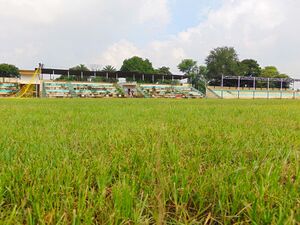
64 33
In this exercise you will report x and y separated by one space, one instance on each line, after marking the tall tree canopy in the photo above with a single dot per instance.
137 64
80 67
196 73
188 66
109 69
164 70
222 61
250 68
7 70
272 72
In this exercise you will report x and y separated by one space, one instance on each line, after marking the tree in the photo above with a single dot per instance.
195 73
137 64
222 61
109 69
164 71
7 70
250 68
188 66
272 72
199 80
80 67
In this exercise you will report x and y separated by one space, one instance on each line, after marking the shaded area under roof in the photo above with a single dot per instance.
117 74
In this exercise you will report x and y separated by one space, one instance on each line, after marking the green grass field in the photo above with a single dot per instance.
143 161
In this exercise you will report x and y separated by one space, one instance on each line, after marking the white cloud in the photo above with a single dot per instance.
267 30
119 51
154 11
68 32
62 33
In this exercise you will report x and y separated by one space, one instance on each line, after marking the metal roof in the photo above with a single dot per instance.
110 74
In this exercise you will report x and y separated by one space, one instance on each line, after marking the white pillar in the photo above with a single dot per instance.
268 88
222 86
254 87
239 85
281 87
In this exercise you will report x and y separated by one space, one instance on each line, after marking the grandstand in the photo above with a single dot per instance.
53 89
255 92
58 83
8 86
170 91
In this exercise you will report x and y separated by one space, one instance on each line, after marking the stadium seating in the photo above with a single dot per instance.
76 89
258 93
7 89
170 91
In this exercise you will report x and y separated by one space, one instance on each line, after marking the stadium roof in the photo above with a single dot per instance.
261 79
117 74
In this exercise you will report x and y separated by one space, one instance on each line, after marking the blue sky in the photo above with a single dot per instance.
189 13
101 32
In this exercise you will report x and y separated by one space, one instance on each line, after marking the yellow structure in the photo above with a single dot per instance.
31 87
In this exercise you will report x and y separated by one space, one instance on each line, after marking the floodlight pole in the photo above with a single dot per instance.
239 85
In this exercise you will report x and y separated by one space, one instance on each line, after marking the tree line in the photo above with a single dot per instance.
222 61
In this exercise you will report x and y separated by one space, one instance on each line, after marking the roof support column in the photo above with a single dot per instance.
222 86
239 85
254 88
281 88
268 88
294 90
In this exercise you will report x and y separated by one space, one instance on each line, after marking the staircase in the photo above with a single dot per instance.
72 91
211 94
197 91
120 90
141 91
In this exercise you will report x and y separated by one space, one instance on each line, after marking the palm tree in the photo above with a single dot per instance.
80 67
109 69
